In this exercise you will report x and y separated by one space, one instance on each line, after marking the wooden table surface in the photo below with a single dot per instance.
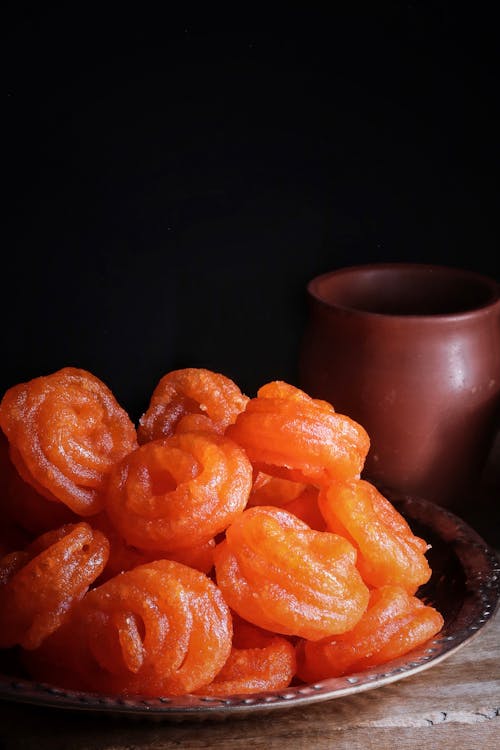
454 705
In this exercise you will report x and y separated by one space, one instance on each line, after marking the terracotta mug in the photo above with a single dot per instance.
411 352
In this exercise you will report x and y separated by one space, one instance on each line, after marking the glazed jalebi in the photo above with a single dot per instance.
40 585
178 491
388 550
192 398
228 546
281 575
259 660
66 431
395 623
288 434
160 629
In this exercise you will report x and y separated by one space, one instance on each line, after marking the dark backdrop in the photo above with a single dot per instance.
173 182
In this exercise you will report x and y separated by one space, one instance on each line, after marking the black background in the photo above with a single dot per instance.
173 181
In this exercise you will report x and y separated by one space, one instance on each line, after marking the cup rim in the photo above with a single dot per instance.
491 286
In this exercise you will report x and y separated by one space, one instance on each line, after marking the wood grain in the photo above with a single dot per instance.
454 705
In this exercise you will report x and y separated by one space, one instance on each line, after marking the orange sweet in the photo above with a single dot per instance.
248 635
288 434
259 660
279 574
394 624
162 628
388 551
191 398
229 546
198 556
252 670
178 491
269 490
305 506
296 497
40 585
123 556
22 505
33 512
66 431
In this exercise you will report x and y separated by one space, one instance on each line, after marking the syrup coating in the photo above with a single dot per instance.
388 550
40 585
160 629
66 432
394 623
192 398
178 491
288 434
279 574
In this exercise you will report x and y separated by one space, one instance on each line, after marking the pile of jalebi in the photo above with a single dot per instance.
228 545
